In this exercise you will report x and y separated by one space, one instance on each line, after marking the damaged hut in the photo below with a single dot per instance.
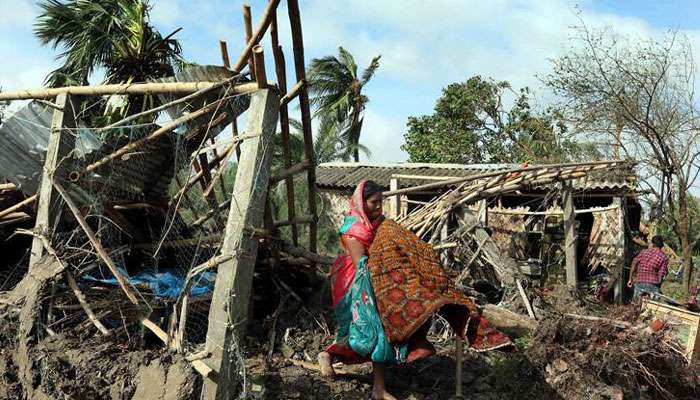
529 222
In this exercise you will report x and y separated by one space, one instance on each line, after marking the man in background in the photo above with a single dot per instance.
649 269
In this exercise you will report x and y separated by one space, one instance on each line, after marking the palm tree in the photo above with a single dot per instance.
336 90
114 35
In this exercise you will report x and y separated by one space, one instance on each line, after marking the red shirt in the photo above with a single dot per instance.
652 265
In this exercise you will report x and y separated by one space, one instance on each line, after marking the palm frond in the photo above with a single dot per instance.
368 73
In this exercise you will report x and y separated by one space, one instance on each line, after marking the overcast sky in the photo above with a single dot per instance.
425 45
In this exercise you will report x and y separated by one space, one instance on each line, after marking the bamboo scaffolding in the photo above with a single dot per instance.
293 93
124 88
300 69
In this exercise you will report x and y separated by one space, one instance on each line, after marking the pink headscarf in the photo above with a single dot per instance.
364 229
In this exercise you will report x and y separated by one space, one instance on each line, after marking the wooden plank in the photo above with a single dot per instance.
570 241
229 306
63 118
300 69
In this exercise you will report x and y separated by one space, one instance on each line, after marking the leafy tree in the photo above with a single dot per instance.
639 95
336 90
114 35
470 124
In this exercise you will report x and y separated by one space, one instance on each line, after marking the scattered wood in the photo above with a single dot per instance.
526 301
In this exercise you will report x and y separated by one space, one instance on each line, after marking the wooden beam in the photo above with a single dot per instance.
570 242
228 313
281 73
124 88
300 69
56 149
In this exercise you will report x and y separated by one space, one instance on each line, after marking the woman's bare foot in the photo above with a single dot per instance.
382 395
326 364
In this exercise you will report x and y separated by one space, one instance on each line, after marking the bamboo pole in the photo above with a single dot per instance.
123 88
169 127
300 69
259 32
281 73
199 175
301 219
292 94
259 61
123 284
248 26
224 54
8 186
219 172
290 172
29 200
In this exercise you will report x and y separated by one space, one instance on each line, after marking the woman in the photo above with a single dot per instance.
410 285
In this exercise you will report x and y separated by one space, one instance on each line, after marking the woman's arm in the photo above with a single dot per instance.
356 249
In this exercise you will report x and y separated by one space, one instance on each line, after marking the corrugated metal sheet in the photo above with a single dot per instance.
345 176
24 138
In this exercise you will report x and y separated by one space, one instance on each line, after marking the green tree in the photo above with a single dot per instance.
471 124
336 90
114 35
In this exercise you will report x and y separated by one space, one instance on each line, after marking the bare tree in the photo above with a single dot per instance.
638 95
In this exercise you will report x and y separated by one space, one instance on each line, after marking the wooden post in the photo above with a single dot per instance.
229 306
300 69
234 124
281 72
63 117
395 201
248 24
621 282
259 61
570 242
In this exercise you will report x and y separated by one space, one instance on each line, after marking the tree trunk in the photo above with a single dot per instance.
684 236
